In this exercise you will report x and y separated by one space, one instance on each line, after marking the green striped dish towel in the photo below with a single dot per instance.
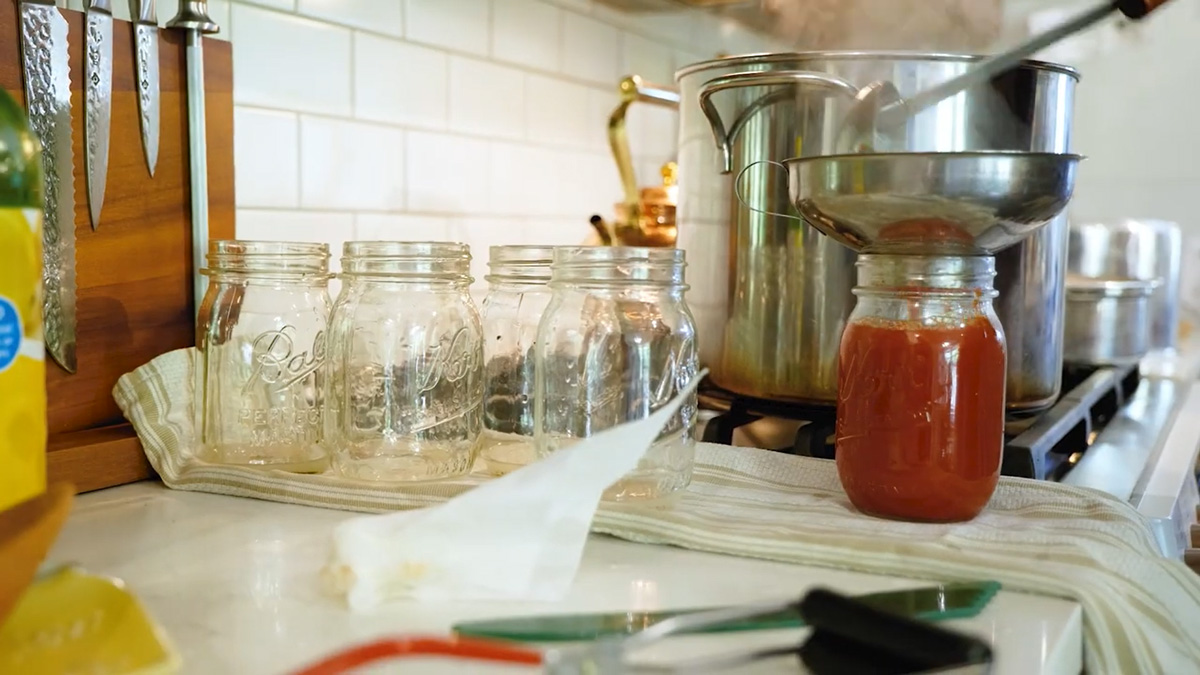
1141 611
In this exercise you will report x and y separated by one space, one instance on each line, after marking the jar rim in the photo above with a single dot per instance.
402 250
267 257
909 274
578 256
407 261
601 266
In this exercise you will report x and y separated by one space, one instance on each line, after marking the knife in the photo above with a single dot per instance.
930 603
48 100
145 47
97 103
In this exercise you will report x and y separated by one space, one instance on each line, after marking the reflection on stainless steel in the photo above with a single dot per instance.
1166 491
145 38
1042 448
946 203
1107 321
48 99
1124 447
97 102
771 296
1135 249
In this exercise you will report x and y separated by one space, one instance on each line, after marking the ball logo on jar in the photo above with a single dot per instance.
276 361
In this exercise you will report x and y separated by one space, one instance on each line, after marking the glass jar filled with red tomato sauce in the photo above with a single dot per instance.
921 377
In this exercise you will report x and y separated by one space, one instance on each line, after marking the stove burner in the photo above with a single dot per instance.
1044 446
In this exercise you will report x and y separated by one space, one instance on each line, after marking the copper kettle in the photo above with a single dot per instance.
646 217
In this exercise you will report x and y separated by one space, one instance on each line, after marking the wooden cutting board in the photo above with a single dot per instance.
134 274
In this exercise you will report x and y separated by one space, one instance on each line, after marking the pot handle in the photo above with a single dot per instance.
758 79
737 189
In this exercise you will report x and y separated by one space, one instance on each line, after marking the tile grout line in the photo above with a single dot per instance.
598 148
487 56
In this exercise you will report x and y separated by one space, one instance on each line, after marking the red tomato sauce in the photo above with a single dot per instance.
926 230
920 418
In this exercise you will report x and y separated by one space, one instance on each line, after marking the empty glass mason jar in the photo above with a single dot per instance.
615 344
261 334
518 292
405 362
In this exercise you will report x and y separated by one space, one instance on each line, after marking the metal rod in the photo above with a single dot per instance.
198 156
990 67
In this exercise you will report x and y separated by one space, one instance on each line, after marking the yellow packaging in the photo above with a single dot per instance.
22 352
22 358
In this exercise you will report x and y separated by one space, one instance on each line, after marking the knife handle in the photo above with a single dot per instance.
1136 9
193 15
144 11
104 6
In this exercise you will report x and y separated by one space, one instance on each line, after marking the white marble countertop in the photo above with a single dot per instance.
235 584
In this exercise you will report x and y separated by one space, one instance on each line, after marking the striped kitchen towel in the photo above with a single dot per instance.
1141 611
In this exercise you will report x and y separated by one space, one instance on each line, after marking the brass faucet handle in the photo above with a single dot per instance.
670 174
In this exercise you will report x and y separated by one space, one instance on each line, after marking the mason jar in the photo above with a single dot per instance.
262 339
518 292
616 343
921 385
405 363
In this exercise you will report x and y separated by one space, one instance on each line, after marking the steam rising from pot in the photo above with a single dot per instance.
927 25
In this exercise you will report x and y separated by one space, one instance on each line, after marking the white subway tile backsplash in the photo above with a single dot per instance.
670 29
381 16
265 153
591 49
687 58
522 180
648 59
486 99
332 227
652 130
323 227
476 120
559 231
402 227
274 4
446 173
527 32
350 165
601 103
461 25
584 6
588 185
399 82
483 233
284 61
557 111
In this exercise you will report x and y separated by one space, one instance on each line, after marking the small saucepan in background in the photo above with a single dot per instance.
1134 249
1108 321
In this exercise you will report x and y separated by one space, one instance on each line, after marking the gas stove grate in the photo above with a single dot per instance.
1044 447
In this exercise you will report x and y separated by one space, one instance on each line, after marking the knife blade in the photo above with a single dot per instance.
145 48
97 102
47 77
930 603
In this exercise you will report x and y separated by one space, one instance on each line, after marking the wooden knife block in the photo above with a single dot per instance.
133 275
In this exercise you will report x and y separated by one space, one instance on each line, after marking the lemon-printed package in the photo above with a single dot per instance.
22 360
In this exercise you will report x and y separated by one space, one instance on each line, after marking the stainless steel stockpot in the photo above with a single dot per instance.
771 296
